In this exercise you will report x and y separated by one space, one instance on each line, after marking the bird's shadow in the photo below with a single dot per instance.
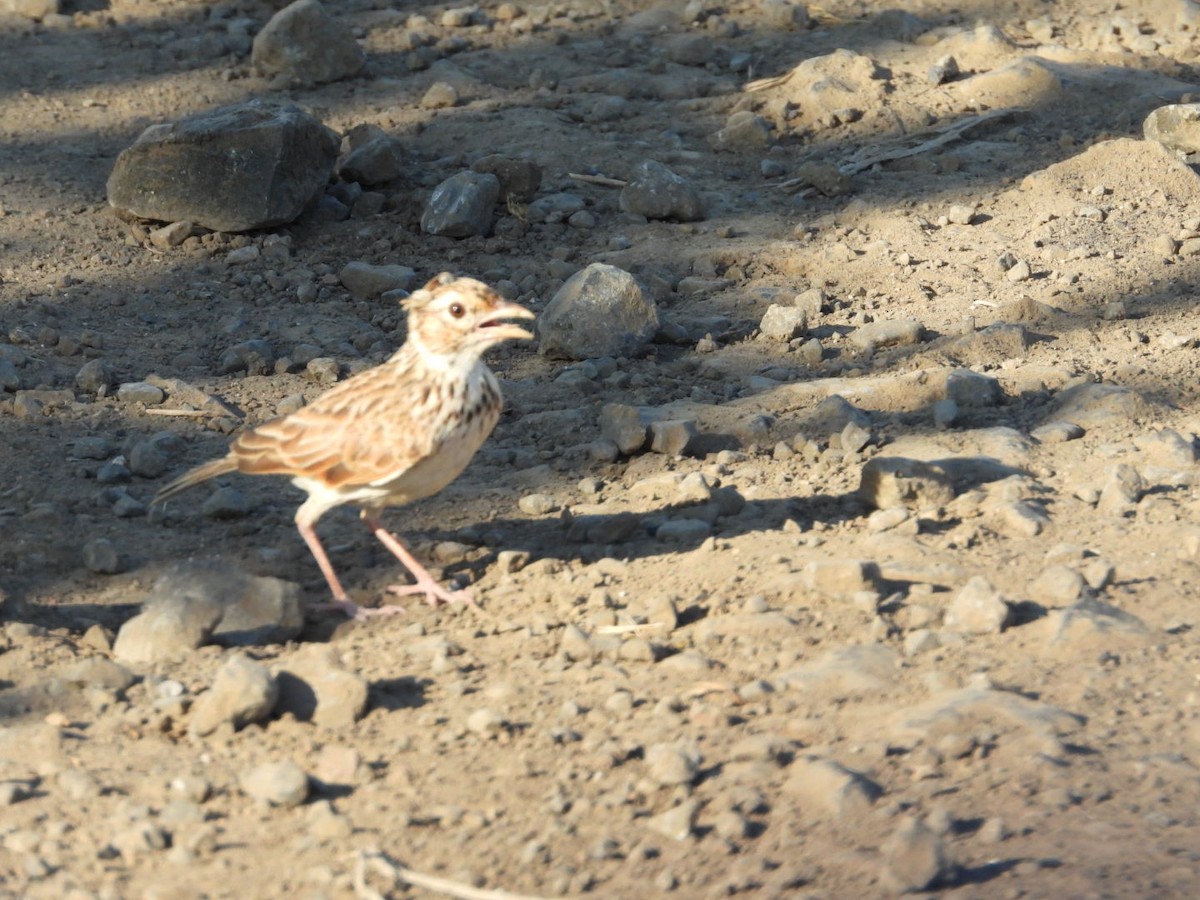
568 538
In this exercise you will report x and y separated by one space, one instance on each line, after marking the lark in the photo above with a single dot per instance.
391 435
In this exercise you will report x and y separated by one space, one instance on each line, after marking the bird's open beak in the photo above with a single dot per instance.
496 326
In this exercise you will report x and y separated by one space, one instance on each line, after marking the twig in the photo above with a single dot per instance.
385 867
945 135
899 150
626 629
602 180
188 413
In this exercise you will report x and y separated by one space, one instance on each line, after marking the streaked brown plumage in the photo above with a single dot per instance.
390 435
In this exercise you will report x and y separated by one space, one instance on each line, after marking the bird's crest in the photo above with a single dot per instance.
422 296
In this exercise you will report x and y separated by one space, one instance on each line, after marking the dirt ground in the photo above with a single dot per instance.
796 700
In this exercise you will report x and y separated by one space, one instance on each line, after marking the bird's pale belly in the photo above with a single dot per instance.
437 470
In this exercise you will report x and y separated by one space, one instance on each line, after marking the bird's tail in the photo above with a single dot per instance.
194 476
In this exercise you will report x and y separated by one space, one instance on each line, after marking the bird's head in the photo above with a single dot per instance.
454 316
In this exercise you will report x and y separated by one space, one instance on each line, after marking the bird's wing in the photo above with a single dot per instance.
365 429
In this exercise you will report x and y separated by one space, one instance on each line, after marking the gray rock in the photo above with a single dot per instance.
169 626
1093 621
198 601
254 357
846 672
973 390
485 721
1057 585
683 530
462 205
978 608
99 671
658 193
888 333
148 458
600 311
10 378
168 236
673 437
538 504
315 687
1175 126
784 14
181 171
439 95
1091 404
140 392
32 9
829 787
888 481
226 503
783 323
943 70
113 473
914 858
744 130
242 692
672 764
603 529
833 414
366 281
555 207
302 41
92 448
276 784
94 376
624 426
676 823
519 178
840 579
1057 432
127 507
1123 488
100 556
375 157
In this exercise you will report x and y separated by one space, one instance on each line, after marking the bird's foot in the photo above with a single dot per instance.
434 593
361 613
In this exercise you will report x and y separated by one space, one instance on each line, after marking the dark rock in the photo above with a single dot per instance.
462 205
600 311
519 178
304 42
375 157
658 193
238 168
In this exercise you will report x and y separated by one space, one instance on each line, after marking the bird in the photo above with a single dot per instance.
392 434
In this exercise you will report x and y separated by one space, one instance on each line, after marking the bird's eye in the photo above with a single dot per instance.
457 310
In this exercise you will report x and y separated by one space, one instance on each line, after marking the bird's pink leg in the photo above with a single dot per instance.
340 601
434 593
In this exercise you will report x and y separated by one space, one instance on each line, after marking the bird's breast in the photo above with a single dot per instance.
467 418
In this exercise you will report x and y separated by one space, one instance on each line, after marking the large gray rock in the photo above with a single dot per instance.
304 42
238 168
462 205
375 157
1176 127
658 193
315 687
600 311
196 603
243 691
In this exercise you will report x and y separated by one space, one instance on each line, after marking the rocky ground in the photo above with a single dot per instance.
904 600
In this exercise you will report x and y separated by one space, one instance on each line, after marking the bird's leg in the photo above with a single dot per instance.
340 601
434 593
